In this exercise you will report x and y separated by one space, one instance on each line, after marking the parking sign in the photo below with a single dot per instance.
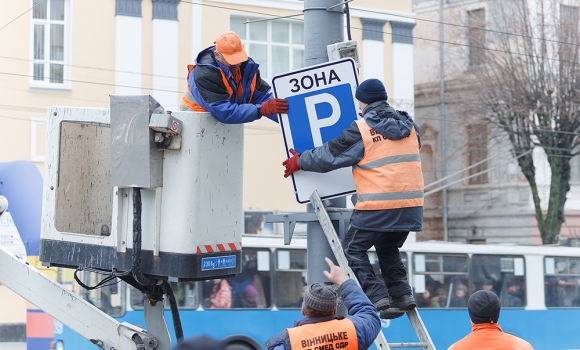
321 105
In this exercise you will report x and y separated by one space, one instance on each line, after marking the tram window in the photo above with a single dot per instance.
185 295
248 289
108 298
374 260
440 280
290 277
562 282
502 274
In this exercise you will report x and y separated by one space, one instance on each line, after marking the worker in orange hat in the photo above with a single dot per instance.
225 82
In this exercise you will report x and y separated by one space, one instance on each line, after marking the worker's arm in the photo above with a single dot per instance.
262 93
212 95
345 150
361 311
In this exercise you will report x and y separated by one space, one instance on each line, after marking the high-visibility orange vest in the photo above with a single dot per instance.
329 335
190 102
389 175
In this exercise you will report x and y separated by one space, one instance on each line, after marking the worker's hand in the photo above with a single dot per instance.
291 164
274 106
336 274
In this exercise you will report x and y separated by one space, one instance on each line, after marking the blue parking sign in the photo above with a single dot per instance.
321 105
325 112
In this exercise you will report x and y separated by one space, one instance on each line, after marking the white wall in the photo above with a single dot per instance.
373 65
195 37
128 55
165 63
403 94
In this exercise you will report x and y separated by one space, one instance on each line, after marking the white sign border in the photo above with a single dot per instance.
302 70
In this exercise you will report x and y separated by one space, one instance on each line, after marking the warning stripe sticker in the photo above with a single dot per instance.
220 247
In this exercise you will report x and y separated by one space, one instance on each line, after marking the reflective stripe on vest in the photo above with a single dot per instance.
329 335
389 175
189 102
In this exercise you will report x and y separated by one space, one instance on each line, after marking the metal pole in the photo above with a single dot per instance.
442 116
322 27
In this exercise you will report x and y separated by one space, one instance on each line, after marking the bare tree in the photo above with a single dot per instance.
528 85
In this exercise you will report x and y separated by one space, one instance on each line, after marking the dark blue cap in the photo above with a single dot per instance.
483 307
371 90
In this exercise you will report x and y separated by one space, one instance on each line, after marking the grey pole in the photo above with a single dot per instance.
442 115
321 28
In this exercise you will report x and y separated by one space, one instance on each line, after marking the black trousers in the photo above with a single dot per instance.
357 242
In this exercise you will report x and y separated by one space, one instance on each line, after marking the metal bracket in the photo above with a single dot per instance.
342 215
128 331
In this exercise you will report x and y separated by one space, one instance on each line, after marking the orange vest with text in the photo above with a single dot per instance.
329 335
189 101
389 175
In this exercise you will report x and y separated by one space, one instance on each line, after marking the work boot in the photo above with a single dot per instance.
390 314
404 303
382 304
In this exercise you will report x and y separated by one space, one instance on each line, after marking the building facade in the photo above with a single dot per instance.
77 53
488 200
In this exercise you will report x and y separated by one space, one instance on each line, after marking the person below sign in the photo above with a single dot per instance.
322 328
225 82
383 150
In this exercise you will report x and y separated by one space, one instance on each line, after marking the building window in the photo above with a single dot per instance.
477 152
130 8
440 280
165 9
569 17
277 46
476 37
50 41
562 282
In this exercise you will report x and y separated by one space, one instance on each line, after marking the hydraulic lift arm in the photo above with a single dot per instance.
73 311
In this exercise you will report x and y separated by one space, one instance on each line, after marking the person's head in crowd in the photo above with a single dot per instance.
254 222
487 284
483 307
574 268
250 296
442 293
319 300
460 291
200 343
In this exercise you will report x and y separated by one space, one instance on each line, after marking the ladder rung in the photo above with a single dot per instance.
408 345
381 342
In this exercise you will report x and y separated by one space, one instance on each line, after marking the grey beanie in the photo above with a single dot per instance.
483 307
371 90
320 297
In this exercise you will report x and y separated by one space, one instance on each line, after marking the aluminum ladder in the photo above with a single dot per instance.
425 341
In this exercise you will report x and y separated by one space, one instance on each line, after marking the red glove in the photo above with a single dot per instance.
291 164
274 106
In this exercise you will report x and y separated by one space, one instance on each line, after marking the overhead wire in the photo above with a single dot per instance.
96 83
98 68
465 26
267 14
348 29
22 14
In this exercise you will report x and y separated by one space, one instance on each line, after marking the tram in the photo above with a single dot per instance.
539 287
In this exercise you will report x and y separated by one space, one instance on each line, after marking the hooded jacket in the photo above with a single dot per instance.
206 87
361 312
349 149
489 336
